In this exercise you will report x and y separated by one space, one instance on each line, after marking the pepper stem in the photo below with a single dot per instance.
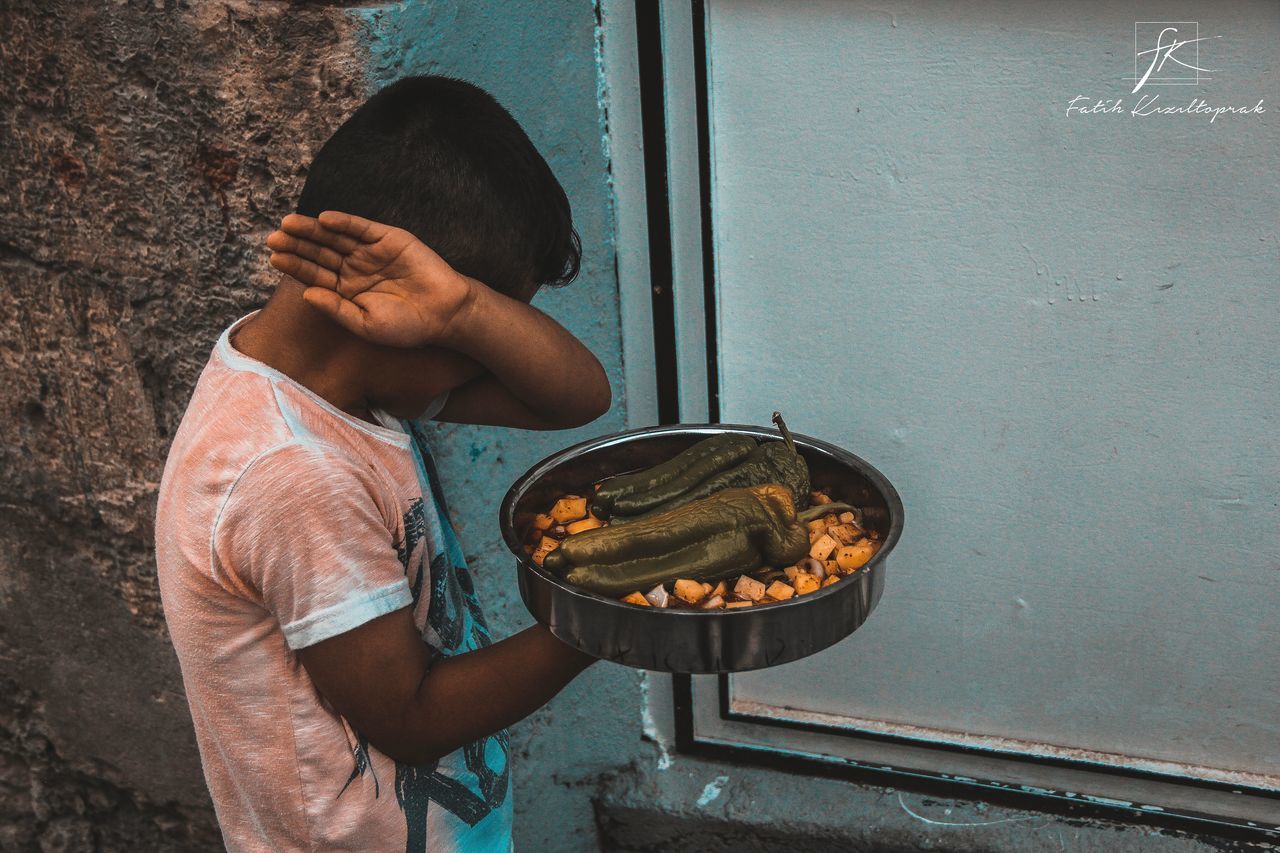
816 511
786 433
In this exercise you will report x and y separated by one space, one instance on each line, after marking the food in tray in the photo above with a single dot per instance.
712 465
691 554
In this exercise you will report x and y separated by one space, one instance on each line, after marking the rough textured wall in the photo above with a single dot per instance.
146 148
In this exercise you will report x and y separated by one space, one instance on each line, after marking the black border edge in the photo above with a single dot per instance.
1062 803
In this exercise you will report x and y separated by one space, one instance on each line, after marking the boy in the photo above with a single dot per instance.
344 688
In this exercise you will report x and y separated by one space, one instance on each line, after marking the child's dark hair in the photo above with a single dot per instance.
442 159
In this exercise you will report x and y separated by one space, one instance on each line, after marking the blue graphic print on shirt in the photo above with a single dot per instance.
454 624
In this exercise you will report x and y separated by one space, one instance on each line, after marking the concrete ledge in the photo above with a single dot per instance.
694 806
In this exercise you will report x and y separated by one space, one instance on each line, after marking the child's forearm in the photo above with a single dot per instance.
533 356
473 695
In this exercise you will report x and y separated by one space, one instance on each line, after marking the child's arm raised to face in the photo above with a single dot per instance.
386 286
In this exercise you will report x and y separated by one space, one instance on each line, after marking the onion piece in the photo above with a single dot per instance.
815 568
658 596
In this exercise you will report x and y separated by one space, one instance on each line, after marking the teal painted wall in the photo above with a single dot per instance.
539 61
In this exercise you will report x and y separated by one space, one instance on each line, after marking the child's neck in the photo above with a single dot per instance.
291 337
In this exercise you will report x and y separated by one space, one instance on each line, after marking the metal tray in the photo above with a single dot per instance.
697 641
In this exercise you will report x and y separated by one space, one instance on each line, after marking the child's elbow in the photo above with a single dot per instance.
596 399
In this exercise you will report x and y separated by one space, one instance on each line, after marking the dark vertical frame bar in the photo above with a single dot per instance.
654 136
710 309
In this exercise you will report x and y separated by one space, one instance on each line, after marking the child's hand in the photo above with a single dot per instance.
379 282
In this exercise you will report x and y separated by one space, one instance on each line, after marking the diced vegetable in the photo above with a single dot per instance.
658 596
845 534
848 518
832 578
806 583
814 567
588 523
822 549
720 588
852 557
569 508
748 589
545 547
637 599
542 521
780 591
734 605
690 591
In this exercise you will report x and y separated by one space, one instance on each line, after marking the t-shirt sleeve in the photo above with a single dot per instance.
307 529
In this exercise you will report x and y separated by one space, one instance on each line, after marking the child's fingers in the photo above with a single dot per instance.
307 272
307 228
343 311
279 241
364 230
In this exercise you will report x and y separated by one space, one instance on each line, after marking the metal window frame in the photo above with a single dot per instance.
672 64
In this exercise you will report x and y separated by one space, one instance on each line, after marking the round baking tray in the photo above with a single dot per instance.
698 641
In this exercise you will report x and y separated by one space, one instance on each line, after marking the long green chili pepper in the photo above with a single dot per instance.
632 494
772 462
732 531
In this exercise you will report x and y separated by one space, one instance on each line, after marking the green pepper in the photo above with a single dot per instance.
732 531
772 462
632 494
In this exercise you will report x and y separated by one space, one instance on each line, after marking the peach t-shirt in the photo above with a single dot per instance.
283 521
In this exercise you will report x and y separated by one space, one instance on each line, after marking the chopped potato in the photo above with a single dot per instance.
832 578
820 498
720 588
845 534
822 548
545 547
749 588
847 517
637 598
816 526
831 567
780 591
569 508
588 523
734 605
690 591
542 521
805 583
852 557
